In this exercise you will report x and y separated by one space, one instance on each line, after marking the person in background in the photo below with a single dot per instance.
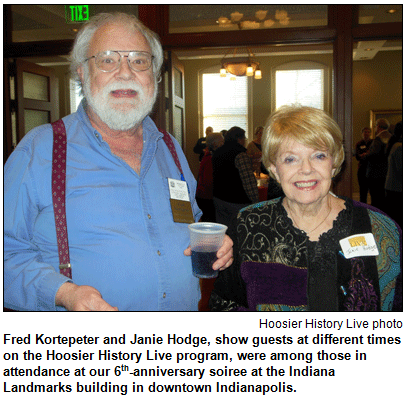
394 177
310 250
361 149
127 252
200 145
377 167
274 189
234 183
204 198
254 150
204 191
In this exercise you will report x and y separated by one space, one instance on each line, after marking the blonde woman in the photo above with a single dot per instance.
310 250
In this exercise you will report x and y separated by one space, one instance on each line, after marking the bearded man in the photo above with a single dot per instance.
127 249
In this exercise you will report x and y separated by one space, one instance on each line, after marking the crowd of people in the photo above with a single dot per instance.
380 168
90 223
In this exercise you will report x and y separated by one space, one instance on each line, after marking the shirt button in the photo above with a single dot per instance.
164 295
159 253
149 216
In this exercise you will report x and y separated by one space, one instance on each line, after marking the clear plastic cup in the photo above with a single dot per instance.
205 240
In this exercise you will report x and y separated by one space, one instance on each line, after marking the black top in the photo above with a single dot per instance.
227 183
361 148
277 267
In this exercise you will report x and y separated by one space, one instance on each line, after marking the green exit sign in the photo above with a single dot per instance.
75 13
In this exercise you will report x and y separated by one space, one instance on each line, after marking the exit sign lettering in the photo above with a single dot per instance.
75 13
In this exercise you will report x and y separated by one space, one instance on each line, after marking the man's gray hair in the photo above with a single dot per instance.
382 123
81 44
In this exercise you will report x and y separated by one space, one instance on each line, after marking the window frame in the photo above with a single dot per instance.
303 65
215 70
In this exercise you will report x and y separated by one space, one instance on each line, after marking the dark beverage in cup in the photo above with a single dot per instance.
202 263
205 240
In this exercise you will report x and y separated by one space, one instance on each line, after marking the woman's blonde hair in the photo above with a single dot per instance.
308 126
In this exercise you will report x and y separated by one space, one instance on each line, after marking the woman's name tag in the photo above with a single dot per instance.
180 202
359 245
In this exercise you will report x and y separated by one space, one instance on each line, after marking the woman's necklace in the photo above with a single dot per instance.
291 215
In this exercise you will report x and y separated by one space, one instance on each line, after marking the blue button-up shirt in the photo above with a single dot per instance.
122 237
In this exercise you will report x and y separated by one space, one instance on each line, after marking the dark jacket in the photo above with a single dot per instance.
227 184
361 149
377 158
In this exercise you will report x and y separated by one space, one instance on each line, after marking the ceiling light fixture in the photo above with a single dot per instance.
240 66
259 22
223 72
250 70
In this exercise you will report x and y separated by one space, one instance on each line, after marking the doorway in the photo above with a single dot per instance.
42 91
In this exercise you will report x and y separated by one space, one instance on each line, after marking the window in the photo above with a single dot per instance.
75 96
225 102
301 83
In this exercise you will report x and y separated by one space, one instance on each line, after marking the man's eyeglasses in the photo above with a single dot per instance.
108 61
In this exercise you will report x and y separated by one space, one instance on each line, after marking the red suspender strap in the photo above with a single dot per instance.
59 194
171 147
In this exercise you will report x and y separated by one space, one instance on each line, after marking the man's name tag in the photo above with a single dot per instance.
180 202
359 245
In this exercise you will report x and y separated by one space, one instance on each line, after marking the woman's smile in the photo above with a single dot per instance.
306 184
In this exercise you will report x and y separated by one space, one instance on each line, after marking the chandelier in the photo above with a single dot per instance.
261 20
248 66
240 66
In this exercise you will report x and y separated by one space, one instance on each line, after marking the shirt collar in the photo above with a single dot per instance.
150 131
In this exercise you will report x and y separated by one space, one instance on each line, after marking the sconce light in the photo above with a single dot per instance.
258 74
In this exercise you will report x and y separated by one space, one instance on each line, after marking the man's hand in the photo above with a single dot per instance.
81 298
224 254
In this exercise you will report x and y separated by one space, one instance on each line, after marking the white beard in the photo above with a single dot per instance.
119 114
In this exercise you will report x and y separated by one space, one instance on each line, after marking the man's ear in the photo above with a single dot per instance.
81 73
